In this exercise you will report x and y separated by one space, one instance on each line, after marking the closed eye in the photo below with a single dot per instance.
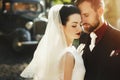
74 26
86 15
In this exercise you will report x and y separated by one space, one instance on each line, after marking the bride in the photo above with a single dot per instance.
55 58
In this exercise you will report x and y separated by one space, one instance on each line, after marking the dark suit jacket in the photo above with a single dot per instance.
103 63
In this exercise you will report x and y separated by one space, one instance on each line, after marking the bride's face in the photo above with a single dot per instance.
72 28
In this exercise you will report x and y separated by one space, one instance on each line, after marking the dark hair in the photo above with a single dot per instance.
66 11
95 4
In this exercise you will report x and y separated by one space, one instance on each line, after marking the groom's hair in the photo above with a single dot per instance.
95 4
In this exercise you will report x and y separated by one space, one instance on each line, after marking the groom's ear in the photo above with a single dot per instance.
100 11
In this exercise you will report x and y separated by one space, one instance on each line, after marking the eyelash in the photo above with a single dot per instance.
73 26
86 15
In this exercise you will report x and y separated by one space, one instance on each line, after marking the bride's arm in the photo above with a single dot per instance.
68 66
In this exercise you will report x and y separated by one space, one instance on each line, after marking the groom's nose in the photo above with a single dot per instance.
81 23
83 19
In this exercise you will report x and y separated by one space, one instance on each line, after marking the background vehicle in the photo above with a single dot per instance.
22 22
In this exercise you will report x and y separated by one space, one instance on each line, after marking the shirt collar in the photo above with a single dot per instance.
100 32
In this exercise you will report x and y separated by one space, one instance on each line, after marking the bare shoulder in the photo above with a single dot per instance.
69 59
69 63
68 55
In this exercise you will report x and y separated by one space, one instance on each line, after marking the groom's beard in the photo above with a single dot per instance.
91 28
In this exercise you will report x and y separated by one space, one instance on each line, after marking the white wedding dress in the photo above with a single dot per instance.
79 69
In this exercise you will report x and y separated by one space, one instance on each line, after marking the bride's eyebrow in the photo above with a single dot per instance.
74 22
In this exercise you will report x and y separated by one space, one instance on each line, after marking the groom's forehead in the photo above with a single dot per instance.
85 8
93 3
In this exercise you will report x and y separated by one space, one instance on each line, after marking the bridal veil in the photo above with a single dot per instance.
44 64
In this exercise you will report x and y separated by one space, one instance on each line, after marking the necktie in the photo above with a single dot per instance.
93 37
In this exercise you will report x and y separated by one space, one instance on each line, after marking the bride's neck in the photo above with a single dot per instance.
69 42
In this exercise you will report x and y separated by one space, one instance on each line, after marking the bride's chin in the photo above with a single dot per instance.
77 37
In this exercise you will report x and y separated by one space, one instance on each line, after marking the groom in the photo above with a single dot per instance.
102 61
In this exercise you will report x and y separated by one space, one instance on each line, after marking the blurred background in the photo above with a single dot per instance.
112 12
22 25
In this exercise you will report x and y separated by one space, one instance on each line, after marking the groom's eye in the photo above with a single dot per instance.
86 15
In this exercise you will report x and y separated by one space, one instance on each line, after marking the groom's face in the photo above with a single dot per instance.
90 17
